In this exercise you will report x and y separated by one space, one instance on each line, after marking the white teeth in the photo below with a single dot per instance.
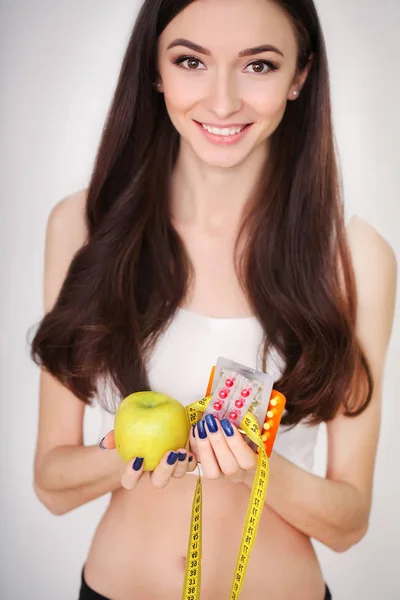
225 131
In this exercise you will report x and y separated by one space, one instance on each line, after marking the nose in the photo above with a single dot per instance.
223 98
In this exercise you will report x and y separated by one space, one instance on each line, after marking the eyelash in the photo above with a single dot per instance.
183 58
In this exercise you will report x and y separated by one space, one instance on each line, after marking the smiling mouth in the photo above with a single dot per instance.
224 131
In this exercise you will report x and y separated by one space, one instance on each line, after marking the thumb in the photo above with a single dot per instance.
108 442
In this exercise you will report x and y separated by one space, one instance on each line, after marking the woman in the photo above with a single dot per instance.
213 225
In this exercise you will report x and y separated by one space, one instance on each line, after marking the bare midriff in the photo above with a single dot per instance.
139 548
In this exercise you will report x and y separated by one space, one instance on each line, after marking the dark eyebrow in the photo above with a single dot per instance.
247 52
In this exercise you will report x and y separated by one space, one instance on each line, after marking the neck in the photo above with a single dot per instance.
210 197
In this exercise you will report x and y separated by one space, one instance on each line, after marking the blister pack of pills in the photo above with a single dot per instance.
235 389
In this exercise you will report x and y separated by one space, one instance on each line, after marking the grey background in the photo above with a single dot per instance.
58 64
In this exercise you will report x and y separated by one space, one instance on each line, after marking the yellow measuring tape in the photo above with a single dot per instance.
192 581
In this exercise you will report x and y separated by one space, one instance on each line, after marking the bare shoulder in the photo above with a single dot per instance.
375 269
370 250
67 217
66 233
372 256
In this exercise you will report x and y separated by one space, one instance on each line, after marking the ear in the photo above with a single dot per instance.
300 80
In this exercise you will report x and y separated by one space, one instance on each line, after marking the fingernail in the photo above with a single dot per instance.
194 430
101 444
201 428
227 427
137 464
172 458
211 423
182 456
190 458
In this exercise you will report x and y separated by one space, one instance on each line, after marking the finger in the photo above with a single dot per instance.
205 452
132 473
165 469
192 450
181 465
192 463
226 459
108 442
192 441
246 458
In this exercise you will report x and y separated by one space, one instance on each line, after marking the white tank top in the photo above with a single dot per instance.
184 354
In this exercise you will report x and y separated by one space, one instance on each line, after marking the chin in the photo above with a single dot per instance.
221 160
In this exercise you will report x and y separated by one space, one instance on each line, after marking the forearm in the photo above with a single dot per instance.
332 512
70 476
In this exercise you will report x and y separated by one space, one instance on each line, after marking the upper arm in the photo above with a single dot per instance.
353 441
60 411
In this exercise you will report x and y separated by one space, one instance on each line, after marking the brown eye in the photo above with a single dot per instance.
262 67
193 63
189 63
258 67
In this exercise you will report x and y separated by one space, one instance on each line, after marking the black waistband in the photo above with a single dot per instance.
86 593
328 595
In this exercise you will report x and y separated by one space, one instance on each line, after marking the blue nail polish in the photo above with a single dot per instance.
190 458
211 423
101 444
201 428
137 464
227 427
182 456
194 430
172 458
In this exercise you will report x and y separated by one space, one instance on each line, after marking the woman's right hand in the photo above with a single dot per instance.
182 461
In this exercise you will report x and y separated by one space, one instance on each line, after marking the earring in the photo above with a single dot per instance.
157 84
295 93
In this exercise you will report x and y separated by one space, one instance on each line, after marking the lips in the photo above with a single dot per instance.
227 126
223 139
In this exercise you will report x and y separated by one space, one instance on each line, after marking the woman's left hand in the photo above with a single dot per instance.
221 449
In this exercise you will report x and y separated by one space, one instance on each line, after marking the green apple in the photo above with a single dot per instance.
149 424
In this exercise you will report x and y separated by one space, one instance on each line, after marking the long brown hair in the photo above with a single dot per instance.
125 284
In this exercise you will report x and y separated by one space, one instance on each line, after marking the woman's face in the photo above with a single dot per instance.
220 83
